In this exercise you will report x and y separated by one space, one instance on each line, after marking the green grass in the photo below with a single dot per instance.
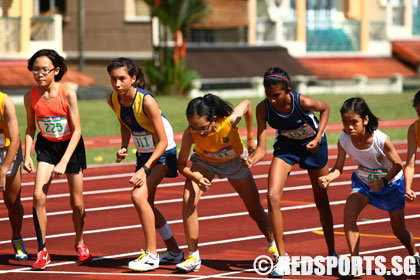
98 119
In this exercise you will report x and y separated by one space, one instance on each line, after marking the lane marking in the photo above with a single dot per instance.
164 185
320 232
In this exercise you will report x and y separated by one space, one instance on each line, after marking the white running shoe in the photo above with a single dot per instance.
190 264
281 268
171 257
144 263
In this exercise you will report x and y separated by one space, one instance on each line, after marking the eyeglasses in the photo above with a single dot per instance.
200 131
44 72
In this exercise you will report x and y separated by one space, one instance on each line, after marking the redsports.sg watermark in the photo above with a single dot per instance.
344 265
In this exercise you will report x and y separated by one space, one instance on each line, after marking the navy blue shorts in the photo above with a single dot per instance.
388 198
168 157
299 154
52 152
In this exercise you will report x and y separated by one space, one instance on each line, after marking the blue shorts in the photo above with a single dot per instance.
388 198
168 157
299 154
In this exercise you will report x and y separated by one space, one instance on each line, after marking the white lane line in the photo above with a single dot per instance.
218 242
175 200
211 217
164 185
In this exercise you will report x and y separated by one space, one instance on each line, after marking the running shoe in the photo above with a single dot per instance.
42 259
189 265
273 250
83 253
20 251
417 263
171 257
337 256
144 263
281 268
355 272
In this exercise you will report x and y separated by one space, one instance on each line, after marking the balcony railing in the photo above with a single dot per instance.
333 36
416 21
377 31
10 33
45 32
42 28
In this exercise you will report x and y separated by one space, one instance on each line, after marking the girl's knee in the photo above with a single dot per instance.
274 198
78 206
39 198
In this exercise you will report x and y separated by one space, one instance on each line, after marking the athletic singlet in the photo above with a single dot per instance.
53 117
141 127
417 131
372 162
4 132
294 128
223 145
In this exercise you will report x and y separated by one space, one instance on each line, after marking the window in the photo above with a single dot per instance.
42 7
137 10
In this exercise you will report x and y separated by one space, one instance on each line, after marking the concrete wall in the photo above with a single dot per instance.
106 28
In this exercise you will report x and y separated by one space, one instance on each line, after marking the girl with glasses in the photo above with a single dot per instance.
218 148
59 147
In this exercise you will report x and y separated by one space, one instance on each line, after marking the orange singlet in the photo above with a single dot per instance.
52 116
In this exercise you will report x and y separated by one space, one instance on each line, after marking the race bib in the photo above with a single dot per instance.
225 153
143 141
54 127
367 174
303 132
2 139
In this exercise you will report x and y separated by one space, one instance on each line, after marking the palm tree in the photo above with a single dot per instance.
178 16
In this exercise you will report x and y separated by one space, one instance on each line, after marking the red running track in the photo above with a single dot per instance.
229 239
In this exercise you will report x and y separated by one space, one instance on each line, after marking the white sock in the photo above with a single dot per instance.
271 244
154 256
165 232
195 254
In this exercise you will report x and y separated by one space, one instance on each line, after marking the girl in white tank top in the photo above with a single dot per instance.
378 179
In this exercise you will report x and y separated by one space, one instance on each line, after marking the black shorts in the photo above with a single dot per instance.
52 152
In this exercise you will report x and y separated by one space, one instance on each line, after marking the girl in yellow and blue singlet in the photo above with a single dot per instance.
218 148
140 117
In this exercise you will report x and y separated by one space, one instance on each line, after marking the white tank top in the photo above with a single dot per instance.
372 162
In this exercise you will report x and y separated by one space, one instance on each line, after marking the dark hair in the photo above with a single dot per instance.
416 100
275 76
359 106
132 70
56 59
209 105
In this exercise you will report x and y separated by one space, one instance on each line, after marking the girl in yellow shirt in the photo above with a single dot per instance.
10 174
217 151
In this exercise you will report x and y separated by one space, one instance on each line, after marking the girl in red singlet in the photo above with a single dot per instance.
59 147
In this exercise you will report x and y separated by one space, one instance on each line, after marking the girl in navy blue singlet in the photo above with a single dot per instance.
300 139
